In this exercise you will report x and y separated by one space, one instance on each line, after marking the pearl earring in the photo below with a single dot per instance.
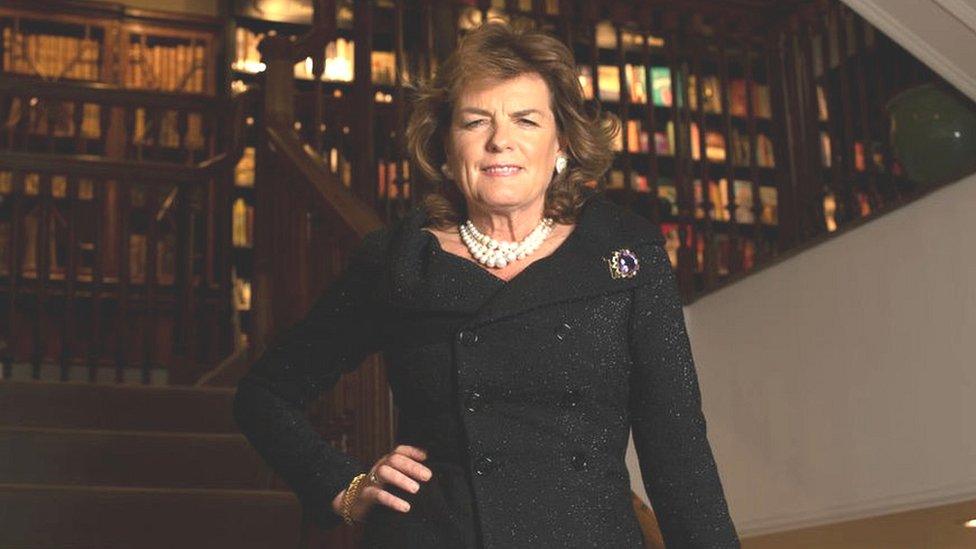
561 162
446 170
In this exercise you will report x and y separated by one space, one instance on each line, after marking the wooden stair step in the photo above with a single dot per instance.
85 517
44 455
124 407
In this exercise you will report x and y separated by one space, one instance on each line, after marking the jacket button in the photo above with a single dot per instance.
473 401
484 465
468 338
562 331
579 461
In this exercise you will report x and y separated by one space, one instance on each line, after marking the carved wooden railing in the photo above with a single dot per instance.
115 225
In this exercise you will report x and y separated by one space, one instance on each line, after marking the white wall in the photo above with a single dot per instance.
842 382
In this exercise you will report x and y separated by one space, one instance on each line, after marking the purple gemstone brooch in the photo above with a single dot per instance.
623 264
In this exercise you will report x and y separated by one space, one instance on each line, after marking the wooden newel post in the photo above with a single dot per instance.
279 112
277 53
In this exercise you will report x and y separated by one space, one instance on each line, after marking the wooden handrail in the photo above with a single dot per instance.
353 212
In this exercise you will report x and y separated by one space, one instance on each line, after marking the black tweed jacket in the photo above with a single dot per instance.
524 392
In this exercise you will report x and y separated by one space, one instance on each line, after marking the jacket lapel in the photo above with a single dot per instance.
415 278
579 268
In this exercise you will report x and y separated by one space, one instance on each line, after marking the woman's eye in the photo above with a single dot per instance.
527 121
473 123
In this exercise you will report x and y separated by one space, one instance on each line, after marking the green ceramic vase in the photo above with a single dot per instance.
933 134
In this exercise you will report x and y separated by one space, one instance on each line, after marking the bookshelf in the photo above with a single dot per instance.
93 78
102 45
107 43
650 80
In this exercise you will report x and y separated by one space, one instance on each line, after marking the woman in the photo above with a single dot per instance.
518 370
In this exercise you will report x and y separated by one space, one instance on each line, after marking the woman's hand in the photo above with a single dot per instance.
400 467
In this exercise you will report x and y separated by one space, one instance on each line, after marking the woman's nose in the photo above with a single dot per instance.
499 139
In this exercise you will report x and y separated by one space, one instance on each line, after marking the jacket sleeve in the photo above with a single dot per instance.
305 360
668 426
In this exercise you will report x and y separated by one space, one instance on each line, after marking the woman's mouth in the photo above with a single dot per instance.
501 170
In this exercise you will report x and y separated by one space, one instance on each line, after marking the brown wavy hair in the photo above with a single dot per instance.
498 51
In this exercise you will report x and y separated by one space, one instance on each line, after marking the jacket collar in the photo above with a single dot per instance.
423 277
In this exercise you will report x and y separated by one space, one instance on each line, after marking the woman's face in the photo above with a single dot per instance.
503 143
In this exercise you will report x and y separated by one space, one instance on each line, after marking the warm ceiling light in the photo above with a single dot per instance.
971 523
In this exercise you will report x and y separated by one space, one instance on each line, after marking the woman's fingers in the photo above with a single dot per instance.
382 496
390 474
411 451
409 466
398 468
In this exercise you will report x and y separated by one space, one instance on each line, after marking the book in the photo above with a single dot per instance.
636 77
672 241
863 203
764 149
738 102
711 94
860 163
606 35
741 148
825 150
743 201
761 105
718 199
748 253
664 141
661 91
768 198
667 193
244 171
50 56
585 76
242 294
242 226
830 211
633 129
823 112
715 146
608 82
699 196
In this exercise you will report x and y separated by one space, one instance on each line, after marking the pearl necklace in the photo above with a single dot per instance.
499 253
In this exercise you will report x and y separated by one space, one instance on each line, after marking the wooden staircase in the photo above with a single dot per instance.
129 466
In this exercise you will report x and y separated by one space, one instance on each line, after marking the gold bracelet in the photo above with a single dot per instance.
348 498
